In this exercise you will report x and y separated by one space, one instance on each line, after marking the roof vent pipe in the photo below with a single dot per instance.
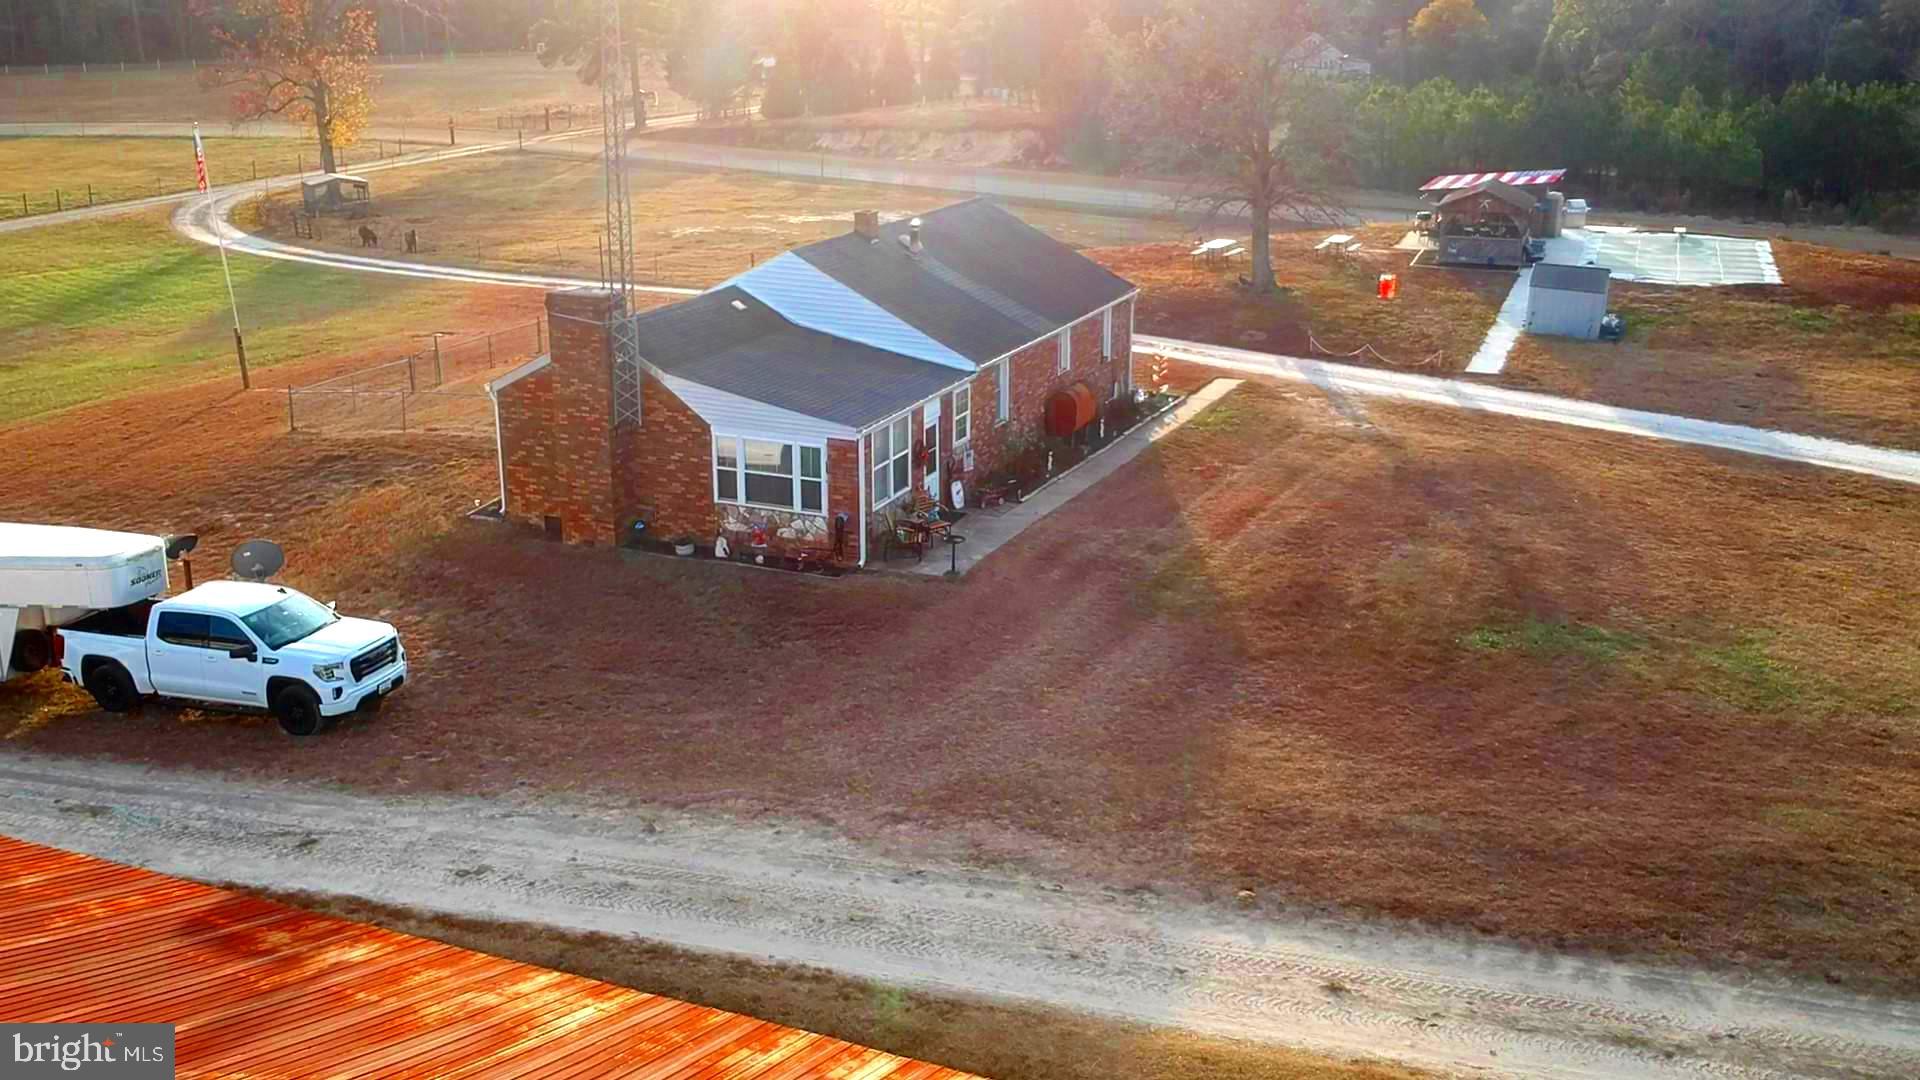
911 241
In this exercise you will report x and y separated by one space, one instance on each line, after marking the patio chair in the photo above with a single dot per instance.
927 514
902 534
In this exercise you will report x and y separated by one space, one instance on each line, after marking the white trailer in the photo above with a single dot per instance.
52 575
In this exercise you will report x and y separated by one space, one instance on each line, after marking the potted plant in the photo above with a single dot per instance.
683 545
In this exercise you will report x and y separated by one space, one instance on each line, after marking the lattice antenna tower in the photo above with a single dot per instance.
617 255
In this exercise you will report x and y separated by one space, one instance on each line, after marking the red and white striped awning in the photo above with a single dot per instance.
1519 178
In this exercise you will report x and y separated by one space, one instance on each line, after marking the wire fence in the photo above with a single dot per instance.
80 194
441 389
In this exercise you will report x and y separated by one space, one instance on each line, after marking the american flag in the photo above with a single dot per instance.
199 160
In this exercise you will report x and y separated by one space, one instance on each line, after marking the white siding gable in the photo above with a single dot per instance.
806 296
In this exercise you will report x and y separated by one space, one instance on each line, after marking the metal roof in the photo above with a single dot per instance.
1518 178
730 340
258 988
808 297
1561 276
983 284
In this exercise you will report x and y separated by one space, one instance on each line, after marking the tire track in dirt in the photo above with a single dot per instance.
798 897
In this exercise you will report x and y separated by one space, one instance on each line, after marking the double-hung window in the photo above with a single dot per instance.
962 414
1066 348
775 475
1106 334
892 459
1003 384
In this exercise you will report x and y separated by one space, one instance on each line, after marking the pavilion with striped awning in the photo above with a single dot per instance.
1516 178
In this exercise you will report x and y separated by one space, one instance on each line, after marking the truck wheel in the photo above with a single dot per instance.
298 709
31 651
112 688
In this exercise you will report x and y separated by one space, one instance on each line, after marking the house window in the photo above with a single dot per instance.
1003 379
892 450
1066 349
1106 334
760 472
769 473
813 479
962 415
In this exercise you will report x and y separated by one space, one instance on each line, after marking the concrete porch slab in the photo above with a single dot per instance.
988 530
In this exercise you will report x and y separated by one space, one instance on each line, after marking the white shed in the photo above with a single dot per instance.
1567 301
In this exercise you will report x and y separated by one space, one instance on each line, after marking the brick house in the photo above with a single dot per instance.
819 389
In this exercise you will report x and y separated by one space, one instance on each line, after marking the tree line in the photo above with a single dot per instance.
1764 106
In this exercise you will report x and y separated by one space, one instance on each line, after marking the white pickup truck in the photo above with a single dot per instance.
236 644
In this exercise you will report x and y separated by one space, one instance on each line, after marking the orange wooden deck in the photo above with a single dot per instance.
265 990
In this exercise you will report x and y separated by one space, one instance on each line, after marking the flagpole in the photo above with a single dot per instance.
213 222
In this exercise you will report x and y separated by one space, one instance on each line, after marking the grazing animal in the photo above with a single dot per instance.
369 238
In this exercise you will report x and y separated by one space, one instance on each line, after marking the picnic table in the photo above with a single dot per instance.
1212 249
1337 240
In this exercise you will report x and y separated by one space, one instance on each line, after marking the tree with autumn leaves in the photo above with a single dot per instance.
303 60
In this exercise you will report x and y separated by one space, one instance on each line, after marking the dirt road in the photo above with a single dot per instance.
789 893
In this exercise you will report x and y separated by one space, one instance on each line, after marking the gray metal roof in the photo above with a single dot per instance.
984 284
1567 278
749 350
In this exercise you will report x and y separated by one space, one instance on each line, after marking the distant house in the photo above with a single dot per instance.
834 382
1315 55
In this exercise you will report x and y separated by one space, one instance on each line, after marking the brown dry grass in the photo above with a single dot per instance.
112 169
1834 352
473 90
966 116
1334 297
1005 1041
692 228
1554 685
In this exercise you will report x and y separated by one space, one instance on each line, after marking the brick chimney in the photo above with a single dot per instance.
569 474
867 223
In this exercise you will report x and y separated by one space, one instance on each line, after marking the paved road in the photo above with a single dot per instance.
783 890
478 141
195 221
1902 465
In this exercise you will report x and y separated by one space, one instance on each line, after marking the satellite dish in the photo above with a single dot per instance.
180 545
258 560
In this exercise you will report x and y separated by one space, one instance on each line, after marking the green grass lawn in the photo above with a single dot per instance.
97 309
130 168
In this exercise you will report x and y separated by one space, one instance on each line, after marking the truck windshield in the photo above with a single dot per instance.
289 620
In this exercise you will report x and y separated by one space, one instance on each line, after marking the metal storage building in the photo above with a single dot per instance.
1567 301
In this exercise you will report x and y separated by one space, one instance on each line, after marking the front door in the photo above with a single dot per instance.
229 678
931 440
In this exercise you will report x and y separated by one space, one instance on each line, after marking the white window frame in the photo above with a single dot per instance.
740 473
1066 348
1106 334
962 410
875 462
1003 391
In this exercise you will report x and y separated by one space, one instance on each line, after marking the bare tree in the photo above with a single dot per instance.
1215 90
